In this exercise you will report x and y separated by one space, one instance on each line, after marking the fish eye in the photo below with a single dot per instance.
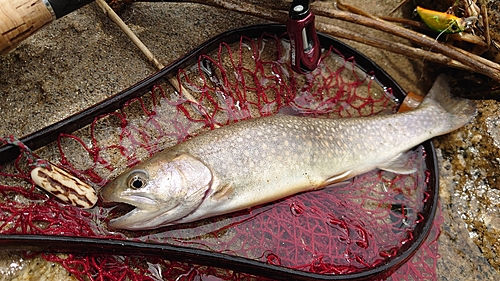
137 180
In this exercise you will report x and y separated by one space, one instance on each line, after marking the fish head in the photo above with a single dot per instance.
163 189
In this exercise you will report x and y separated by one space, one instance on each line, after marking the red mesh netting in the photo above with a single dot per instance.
342 229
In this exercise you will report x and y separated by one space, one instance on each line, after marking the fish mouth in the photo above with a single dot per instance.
125 216
139 201
120 210
129 212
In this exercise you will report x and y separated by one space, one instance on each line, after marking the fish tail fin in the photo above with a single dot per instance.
454 112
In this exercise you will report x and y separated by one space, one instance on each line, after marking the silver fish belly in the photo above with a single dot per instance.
264 159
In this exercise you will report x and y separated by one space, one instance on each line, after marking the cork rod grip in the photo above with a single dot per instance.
21 18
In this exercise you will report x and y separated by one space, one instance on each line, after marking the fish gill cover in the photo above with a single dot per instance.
344 229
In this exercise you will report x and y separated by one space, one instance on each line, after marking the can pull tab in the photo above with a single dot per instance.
305 47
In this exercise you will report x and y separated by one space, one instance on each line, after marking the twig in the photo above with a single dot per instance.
471 9
398 6
406 22
354 10
486 24
123 26
149 55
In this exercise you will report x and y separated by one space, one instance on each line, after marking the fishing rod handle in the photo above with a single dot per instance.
19 19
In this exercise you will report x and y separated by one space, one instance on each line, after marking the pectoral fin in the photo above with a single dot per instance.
399 165
338 179
223 192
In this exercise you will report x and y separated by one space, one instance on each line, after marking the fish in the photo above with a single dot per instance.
264 159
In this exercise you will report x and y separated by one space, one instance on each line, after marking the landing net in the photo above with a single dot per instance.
338 230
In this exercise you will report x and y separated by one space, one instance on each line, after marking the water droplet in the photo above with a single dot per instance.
296 209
